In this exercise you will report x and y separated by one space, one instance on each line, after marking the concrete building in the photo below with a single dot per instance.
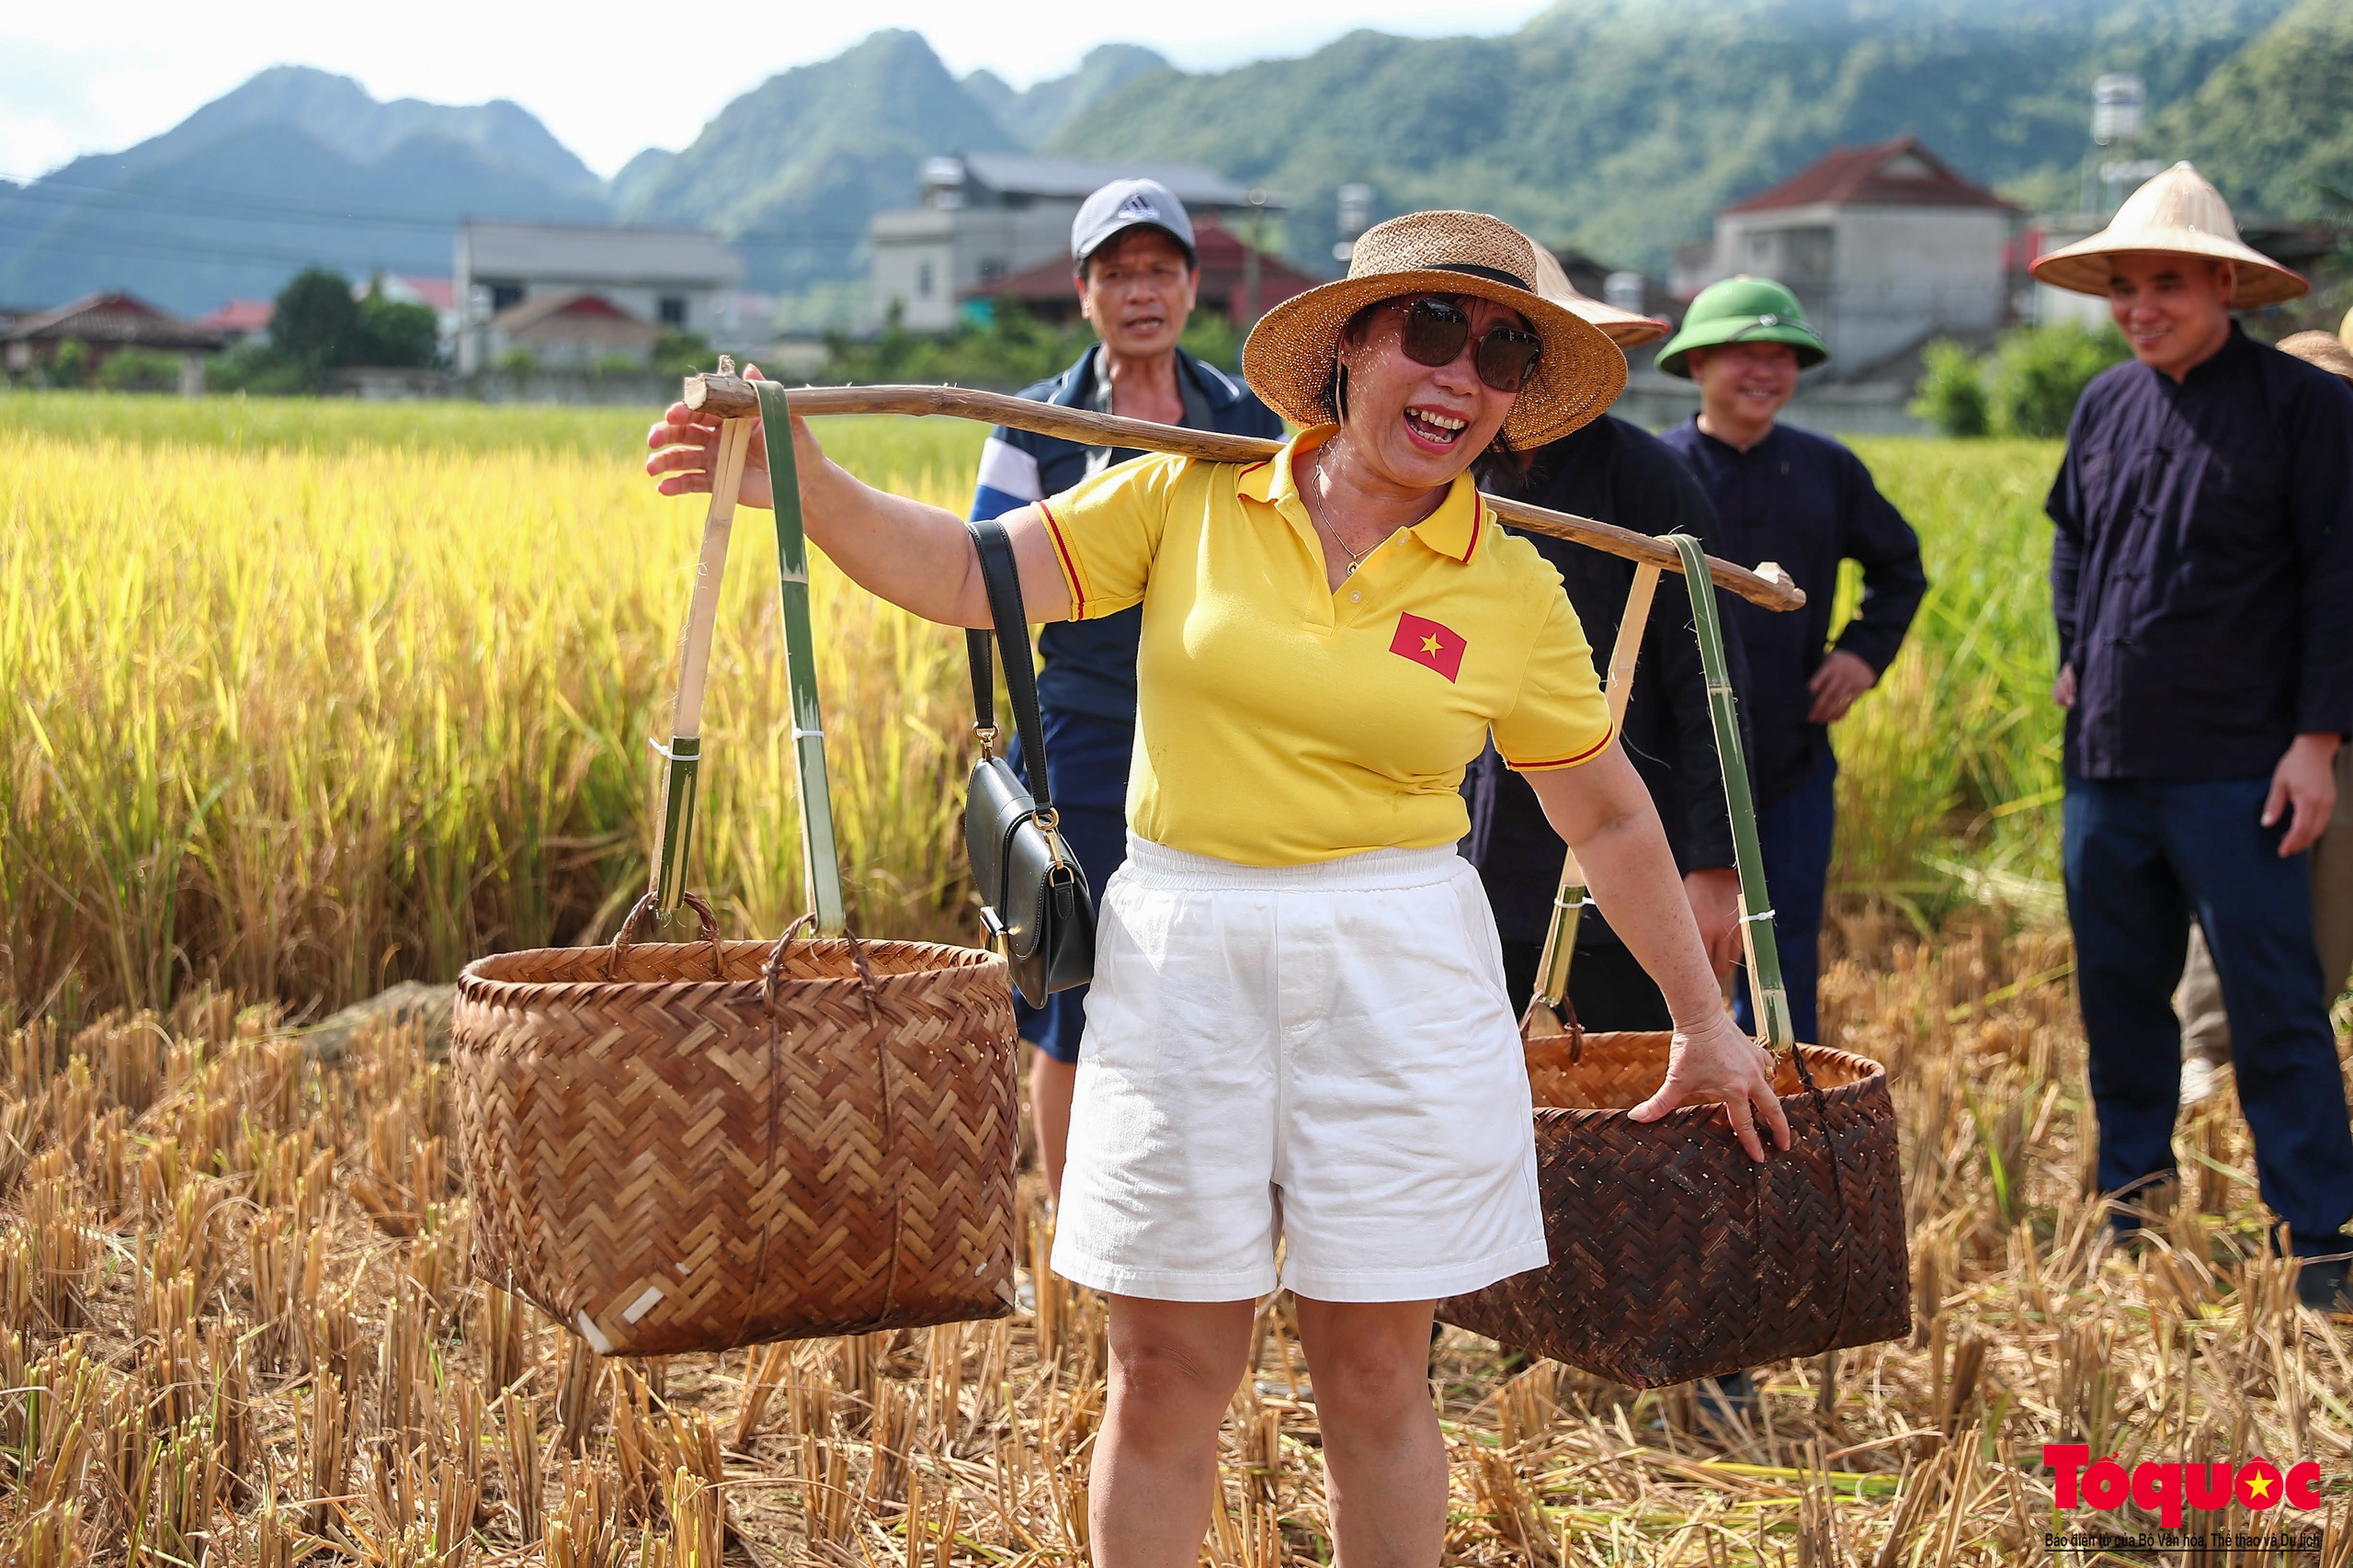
571 331
987 217
672 280
1885 246
238 320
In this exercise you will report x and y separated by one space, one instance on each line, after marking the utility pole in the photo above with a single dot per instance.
2117 99
1356 216
1250 257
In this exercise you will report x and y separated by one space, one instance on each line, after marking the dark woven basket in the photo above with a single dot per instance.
1674 1256
692 1146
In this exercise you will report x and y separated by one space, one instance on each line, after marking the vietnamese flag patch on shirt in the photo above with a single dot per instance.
1426 642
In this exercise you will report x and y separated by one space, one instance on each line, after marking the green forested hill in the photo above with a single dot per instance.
2271 124
1620 126
794 169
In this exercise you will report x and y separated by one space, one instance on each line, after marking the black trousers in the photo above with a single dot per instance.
1606 987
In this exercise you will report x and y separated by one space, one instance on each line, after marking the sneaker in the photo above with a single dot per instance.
2201 1080
2319 1285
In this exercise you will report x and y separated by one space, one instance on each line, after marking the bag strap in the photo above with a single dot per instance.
976 653
1002 575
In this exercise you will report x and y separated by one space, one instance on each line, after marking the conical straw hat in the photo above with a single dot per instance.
2322 348
1289 357
2176 213
1626 328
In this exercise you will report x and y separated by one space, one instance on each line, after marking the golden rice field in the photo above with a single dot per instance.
296 720
296 699
303 696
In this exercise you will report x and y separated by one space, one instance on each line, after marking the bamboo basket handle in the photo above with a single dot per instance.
772 970
821 868
681 782
1569 900
730 397
1766 987
626 937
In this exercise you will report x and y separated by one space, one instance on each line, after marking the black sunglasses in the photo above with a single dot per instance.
1437 328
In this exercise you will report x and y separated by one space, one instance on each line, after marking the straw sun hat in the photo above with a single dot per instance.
1289 356
1624 328
2176 213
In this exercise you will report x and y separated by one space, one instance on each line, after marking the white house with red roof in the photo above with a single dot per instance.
1885 246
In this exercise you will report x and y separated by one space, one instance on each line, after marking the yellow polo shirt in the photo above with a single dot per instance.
1282 722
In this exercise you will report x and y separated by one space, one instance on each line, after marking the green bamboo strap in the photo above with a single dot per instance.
1773 998
820 861
680 781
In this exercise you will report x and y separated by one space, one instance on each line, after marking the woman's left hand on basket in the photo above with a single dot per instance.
1715 1061
685 442
1603 809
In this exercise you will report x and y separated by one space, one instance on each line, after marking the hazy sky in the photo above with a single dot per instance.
608 80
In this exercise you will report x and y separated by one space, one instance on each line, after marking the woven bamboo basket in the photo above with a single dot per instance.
695 1145
1674 1256
691 1146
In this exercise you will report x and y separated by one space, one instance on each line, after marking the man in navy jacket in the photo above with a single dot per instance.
1132 245
2202 577
1805 501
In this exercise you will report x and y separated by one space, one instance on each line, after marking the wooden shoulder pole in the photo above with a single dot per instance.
731 397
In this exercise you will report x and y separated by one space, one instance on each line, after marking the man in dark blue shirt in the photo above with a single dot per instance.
1132 245
2202 577
1805 501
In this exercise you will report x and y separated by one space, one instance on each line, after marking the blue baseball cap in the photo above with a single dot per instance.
1127 204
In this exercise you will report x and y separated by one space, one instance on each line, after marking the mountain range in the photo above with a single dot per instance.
1618 126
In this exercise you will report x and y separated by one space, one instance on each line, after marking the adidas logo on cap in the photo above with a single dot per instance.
1139 205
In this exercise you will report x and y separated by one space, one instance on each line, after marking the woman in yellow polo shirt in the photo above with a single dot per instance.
1298 1030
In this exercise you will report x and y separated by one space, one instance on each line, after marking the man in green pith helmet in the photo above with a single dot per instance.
1805 501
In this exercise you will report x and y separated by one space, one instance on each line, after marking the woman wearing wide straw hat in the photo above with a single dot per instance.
1297 1031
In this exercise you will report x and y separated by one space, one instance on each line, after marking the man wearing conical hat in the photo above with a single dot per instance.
1804 500
2202 578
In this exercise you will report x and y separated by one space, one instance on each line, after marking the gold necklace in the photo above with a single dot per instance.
1356 557
1355 560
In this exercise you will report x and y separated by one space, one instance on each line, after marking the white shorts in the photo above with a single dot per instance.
1320 1053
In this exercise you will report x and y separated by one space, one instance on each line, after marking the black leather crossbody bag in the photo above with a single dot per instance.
1034 897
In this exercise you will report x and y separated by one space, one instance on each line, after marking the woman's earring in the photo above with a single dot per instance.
1340 392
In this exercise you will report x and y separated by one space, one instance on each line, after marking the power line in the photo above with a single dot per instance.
135 189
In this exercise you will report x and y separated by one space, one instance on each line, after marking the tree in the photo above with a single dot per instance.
317 323
1952 393
139 369
682 351
401 336
2038 372
70 366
